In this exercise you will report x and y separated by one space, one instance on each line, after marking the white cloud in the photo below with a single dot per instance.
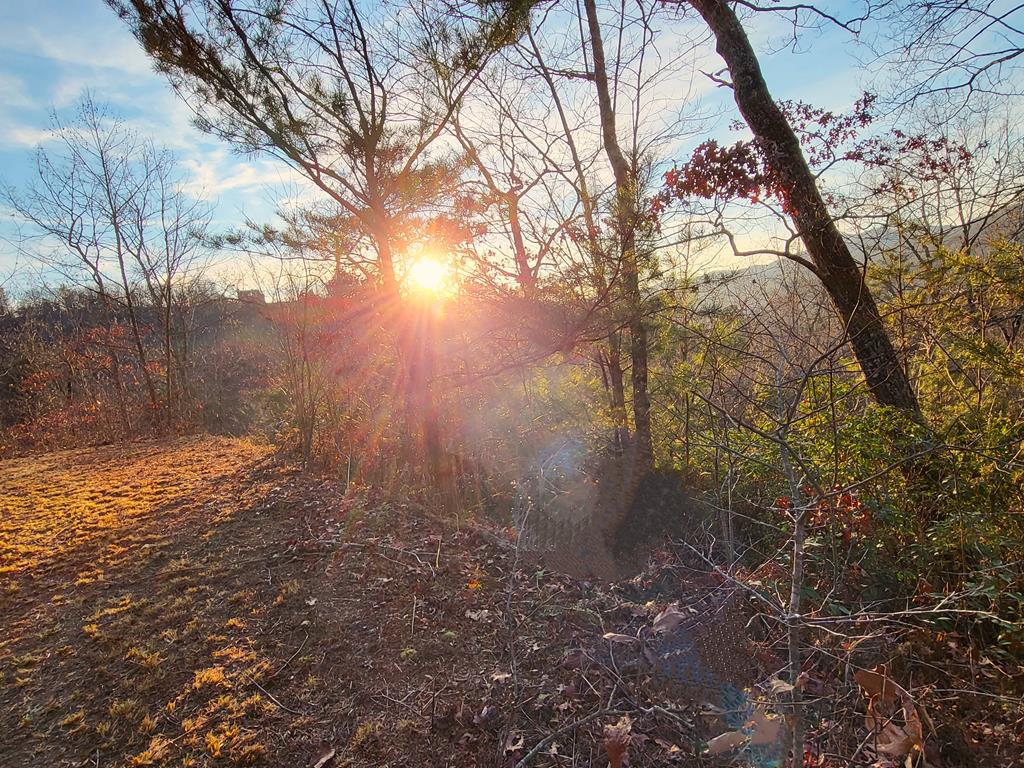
81 35
14 92
213 173
22 136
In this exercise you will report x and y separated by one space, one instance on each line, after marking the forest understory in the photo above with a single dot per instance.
199 601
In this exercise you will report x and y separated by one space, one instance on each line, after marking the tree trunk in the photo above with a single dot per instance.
835 266
133 322
115 359
618 392
626 215
621 435
168 358
417 348
524 274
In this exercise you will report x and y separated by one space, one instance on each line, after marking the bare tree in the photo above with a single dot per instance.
626 213
170 254
107 211
959 48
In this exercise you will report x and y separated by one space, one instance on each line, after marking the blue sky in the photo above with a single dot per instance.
52 50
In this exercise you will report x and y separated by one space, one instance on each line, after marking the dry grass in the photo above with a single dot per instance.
111 626
109 502
192 604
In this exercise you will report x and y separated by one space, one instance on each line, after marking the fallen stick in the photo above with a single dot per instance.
565 729
271 696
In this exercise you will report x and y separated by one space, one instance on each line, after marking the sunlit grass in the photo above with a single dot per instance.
94 499
77 529
176 649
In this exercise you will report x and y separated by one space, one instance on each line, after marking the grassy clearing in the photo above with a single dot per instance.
197 604
111 593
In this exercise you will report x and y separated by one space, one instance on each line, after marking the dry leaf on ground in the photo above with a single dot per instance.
888 703
616 740
726 742
615 637
760 730
323 756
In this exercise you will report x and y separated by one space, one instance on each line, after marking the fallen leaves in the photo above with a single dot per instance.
487 717
765 730
727 742
892 715
777 686
323 756
668 620
615 637
616 740
760 730
514 743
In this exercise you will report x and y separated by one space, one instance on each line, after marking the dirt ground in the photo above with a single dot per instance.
200 603
197 603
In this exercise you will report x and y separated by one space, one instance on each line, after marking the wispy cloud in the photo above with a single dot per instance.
76 34
52 51
215 173
14 92
14 134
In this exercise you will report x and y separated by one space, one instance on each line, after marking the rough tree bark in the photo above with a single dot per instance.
834 265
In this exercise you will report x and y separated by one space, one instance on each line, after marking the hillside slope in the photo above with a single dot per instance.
196 603
199 603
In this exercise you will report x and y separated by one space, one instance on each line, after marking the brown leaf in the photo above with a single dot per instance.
912 715
616 739
764 729
894 741
323 756
672 749
486 716
668 619
514 742
615 637
726 742
887 700
877 684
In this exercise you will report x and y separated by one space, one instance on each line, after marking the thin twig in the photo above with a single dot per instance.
565 729
271 696
290 658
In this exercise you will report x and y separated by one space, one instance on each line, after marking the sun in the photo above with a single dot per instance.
429 275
